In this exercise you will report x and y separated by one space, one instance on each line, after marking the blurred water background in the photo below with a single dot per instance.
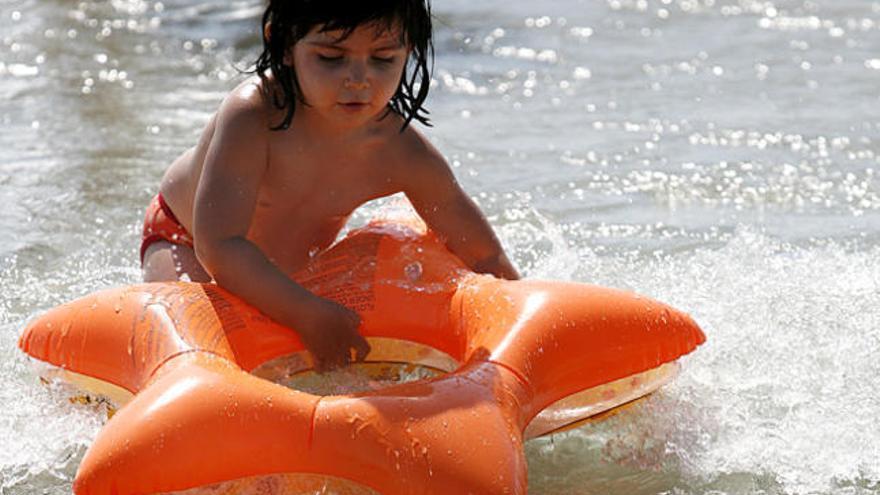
719 155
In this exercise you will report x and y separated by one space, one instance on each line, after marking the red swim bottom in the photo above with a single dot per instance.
160 224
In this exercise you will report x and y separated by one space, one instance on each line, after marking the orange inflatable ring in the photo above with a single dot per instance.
524 358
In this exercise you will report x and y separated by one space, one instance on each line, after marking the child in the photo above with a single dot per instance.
322 128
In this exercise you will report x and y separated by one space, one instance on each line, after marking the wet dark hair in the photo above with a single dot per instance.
285 22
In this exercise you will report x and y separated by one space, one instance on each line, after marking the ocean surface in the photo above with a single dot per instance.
719 155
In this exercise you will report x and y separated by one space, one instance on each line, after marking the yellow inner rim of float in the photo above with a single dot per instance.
394 361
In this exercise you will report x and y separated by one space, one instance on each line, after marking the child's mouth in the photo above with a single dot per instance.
353 106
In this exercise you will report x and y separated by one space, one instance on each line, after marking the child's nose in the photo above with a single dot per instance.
353 83
357 77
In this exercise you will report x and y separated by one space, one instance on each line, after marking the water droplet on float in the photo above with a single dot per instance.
413 271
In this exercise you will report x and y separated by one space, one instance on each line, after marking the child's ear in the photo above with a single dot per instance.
267 36
267 32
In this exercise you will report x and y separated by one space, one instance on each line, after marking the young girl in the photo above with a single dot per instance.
320 129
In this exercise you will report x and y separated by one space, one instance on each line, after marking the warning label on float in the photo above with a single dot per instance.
345 273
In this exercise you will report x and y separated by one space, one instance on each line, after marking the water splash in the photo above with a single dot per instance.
781 398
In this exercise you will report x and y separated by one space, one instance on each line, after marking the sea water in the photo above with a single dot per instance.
718 155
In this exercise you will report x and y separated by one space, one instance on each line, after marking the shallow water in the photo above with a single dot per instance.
718 155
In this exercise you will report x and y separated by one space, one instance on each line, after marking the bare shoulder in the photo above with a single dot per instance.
417 159
421 171
245 109
239 143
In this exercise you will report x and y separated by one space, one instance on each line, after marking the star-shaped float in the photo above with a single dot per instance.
530 358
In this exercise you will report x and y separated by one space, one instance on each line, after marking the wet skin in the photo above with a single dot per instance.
259 202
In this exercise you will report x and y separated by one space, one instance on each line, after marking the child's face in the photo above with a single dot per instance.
352 80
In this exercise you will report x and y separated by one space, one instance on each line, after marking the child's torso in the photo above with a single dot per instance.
307 193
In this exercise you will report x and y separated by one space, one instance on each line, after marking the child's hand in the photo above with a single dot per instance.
330 333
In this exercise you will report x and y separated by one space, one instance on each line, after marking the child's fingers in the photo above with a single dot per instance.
361 349
319 366
323 365
340 360
329 362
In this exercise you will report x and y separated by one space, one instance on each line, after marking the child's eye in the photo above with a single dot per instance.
383 60
329 59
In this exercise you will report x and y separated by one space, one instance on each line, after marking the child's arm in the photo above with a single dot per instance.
224 204
451 213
